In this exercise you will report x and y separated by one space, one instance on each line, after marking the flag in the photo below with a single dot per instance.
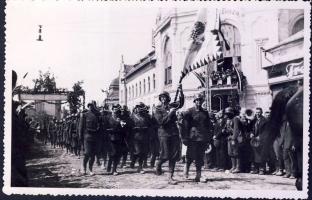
197 38
210 49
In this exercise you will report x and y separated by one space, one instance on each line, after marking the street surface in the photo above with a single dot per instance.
48 167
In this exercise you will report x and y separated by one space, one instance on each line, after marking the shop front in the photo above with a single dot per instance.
286 64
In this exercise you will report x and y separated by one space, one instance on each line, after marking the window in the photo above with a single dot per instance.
149 84
129 89
136 90
140 88
144 87
154 82
132 91
168 62
298 26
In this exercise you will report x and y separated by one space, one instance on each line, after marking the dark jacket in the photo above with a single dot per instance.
113 128
89 125
166 121
141 125
259 125
198 125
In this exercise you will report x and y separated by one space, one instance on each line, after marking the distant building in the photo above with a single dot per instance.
138 82
113 96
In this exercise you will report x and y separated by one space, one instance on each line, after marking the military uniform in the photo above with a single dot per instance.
116 137
52 132
89 127
74 136
198 135
168 135
141 124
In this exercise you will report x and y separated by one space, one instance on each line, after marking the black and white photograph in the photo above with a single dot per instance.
157 98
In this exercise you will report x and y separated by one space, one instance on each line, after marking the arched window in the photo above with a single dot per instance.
144 87
154 82
140 88
168 61
136 90
298 26
148 84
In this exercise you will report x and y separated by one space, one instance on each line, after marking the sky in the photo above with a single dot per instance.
80 41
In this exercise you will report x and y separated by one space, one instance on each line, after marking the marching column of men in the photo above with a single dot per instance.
232 136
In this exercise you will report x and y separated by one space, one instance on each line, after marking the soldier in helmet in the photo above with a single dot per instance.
114 126
168 135
198 135
141 124
89 127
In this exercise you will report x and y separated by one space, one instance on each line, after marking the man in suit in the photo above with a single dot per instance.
258 165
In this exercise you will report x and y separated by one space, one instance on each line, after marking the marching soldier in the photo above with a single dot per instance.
104 143
74 134
114 128
168 135
141 124
89 127
126 129
198 135
52 132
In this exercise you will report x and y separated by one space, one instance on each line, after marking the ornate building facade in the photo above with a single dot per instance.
244 79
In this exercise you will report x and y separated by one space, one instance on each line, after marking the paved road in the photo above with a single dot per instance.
49 167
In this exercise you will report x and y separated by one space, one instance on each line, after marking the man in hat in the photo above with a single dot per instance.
198 135
140 135
89 127
168 135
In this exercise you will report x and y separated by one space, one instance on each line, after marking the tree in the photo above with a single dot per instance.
45 82
76 97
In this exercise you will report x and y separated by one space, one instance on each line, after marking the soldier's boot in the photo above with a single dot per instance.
115 163
238 166
158 168
198 175
233 162
145 163
153 159
171 181
132 163
186 170
109 165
